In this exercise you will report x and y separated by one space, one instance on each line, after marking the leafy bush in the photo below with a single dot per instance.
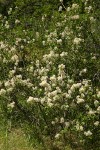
49 80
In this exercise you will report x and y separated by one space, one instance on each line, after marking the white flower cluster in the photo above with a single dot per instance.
9 11
7 25
78 41
69 101
75 17
88 133
11 105
75 6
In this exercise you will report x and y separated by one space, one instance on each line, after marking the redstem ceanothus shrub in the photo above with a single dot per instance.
56 97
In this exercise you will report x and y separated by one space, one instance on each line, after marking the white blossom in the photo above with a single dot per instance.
62 120
43 42
75 6
59 41
63 54
53 78
57 136
98 109
61 1
2 92
30 99
7 83
96 103
9 89
15 58
44 83
77 40
98 94
60 8
75 17
82 89
80 100
17 21
50 104
96 123
79 127
11 105
91 112
68 9
88 133
67 124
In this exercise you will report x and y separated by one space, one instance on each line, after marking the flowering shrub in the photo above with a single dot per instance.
56 104
56 97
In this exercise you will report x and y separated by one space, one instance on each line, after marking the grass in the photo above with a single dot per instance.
15 140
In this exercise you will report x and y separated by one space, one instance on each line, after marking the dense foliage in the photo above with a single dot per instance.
50 71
